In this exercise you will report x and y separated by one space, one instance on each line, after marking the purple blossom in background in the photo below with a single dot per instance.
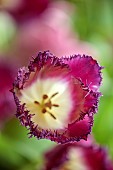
24 10
45 32
56 98
7 107
77 156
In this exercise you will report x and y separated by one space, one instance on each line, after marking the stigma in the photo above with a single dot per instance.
46 104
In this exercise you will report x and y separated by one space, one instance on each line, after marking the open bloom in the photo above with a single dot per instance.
77 156
56 97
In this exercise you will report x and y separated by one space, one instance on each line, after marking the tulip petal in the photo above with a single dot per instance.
86 69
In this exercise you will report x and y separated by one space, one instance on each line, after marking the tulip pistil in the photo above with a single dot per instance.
46 104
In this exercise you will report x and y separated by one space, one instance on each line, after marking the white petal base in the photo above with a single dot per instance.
51 102
76 160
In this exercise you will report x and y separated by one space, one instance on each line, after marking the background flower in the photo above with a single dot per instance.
49 33
7 107
23 10
80 156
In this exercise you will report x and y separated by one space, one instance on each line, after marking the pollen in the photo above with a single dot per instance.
46 104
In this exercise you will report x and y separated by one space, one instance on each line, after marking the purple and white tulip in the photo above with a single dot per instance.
56 98
77 156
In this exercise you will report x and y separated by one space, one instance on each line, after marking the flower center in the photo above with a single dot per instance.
46 104
50 105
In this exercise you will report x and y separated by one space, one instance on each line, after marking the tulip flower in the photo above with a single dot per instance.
23 10
56 98
77 156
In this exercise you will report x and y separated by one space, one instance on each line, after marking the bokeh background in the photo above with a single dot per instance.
64 28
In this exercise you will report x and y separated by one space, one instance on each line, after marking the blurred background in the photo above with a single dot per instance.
65 28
